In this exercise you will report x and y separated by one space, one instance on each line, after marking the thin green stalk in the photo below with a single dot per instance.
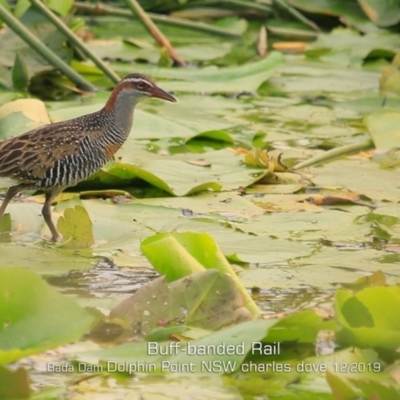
251 5
227 4
334 153
298 15
101 9
74 40
20 30
137 9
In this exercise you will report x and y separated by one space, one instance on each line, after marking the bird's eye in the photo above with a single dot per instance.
141 85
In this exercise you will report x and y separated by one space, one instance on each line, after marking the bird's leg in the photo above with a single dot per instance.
12 191
46 212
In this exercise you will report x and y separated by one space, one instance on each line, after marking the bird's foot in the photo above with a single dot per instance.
56 238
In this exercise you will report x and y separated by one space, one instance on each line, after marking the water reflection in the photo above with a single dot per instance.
105 279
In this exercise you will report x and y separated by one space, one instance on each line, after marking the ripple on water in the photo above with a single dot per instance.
103 280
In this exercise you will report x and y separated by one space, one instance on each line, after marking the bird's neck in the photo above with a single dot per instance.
119 108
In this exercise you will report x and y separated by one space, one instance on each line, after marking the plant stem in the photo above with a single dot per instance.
334 153
20 30
101 9
74 40
296 14
154 31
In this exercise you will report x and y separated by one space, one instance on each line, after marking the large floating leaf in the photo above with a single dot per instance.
367 317
206 299
48 260
34 317
224 171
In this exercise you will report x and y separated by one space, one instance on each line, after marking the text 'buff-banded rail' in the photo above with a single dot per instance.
56 156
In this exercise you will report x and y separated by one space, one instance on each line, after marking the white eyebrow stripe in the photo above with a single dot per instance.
136 80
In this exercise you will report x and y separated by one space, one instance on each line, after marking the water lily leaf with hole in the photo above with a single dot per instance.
206 299
366 318
29 305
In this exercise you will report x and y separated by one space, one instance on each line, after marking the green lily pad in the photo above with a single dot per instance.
180 178
207 299
76 228
28 304
366 318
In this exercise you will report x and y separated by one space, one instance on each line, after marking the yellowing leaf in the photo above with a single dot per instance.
76 228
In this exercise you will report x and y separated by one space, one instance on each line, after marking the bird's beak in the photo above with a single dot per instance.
161 94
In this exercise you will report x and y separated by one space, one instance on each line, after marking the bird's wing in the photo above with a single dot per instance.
28 156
